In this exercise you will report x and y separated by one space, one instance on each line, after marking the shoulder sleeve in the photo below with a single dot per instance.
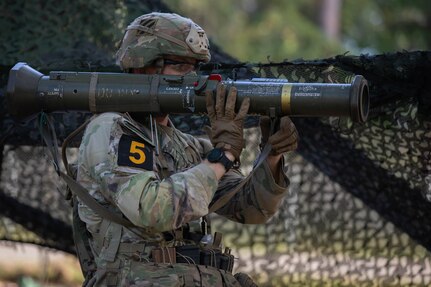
257 201
96 142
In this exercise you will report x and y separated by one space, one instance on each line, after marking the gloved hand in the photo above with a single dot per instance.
284 140
226 131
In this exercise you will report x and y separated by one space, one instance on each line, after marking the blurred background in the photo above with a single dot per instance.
358 213
249 30
276 30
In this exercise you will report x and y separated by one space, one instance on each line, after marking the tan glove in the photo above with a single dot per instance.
284 140
226 130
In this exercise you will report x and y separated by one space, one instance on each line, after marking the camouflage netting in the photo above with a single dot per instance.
357 212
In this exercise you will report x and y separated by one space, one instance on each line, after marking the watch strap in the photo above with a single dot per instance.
226 162
218 155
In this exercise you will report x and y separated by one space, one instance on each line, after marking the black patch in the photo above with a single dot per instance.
134 152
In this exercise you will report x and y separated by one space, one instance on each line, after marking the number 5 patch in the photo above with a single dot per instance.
134 152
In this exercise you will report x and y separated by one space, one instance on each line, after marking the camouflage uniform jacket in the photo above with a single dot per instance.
118 165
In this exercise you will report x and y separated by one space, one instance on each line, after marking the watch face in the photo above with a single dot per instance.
215 155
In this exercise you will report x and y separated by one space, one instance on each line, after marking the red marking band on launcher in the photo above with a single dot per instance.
215 77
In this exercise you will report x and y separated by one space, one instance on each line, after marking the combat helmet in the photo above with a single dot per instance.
152 36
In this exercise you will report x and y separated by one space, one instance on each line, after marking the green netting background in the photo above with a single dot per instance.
358 212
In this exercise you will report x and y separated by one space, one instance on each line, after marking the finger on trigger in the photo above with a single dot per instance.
286 123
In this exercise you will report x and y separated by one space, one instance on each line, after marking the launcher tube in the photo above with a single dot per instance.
29 91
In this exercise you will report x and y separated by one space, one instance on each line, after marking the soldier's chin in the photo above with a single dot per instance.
141 116
159 115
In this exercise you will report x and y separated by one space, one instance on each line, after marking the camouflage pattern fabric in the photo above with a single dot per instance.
175 35
353 233
118 165
150 274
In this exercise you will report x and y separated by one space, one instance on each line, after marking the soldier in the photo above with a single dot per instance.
163 181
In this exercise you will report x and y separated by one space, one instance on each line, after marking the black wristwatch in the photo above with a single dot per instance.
217 155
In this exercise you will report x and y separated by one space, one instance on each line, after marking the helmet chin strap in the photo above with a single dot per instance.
159 64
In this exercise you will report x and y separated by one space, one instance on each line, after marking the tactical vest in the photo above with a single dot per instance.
194 259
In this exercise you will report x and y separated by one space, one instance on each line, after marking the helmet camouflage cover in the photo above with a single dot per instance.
152 36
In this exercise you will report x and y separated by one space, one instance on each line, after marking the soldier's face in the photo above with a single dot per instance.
174 65
179 66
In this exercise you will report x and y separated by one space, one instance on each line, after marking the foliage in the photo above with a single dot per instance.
386 26
253 30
